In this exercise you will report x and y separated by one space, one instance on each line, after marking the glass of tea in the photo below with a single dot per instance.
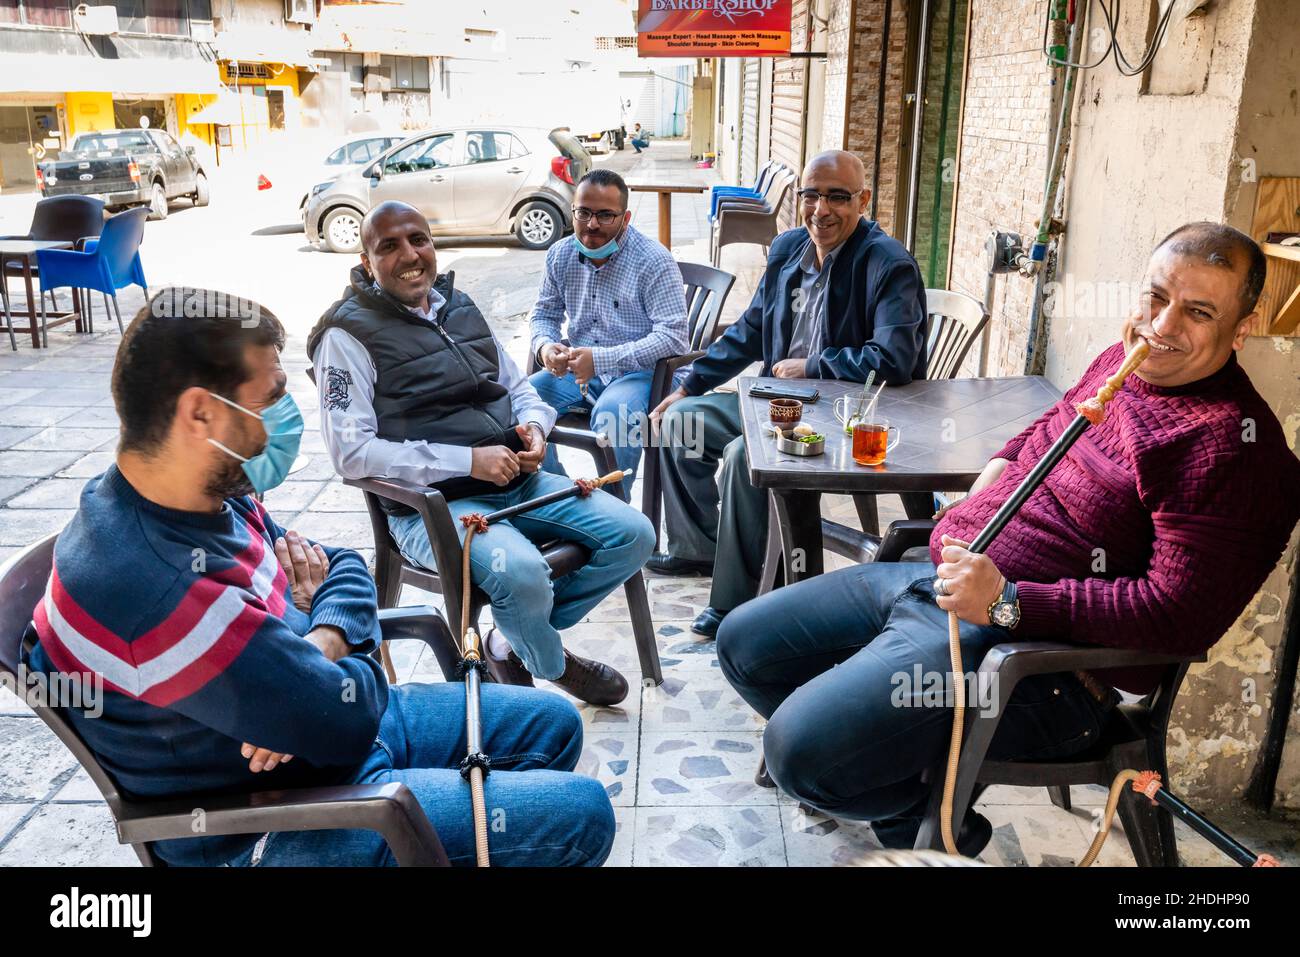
871 441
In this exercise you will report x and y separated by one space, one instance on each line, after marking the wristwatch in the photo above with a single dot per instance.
1005 609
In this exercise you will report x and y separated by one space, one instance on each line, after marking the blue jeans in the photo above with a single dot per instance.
618 411
639 145
539 814
833 662
527 606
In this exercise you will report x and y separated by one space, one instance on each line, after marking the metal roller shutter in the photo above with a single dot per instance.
789 103
749 121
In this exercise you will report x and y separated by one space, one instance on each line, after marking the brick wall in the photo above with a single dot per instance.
1003 162
838 34
863 99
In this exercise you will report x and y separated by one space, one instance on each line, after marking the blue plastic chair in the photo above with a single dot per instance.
717 193
105 265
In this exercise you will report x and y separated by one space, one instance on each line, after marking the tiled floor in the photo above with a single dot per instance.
676 760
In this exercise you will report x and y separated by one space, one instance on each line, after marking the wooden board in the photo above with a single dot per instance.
1277 209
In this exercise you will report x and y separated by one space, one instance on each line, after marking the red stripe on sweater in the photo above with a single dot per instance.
211 663
80 619
204 591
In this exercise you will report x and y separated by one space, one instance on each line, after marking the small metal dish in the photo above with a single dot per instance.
787 443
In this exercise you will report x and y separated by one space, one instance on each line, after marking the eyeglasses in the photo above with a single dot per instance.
836 197
604 217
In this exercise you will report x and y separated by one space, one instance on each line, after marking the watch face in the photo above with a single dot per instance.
1004 614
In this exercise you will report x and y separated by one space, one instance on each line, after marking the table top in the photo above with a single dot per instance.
665 188
26 247
949 428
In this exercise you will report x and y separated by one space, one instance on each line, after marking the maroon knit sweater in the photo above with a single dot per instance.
1156 528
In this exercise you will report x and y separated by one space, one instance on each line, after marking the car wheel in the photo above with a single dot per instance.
341 230
158 202
538 225
201 194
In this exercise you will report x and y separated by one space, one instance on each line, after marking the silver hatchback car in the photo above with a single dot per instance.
468 181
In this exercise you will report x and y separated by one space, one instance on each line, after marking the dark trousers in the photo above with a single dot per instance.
724 520
847 667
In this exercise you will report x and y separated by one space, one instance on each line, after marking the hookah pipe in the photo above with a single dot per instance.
476 765
1091 412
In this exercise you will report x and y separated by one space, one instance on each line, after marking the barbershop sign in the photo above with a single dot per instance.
704 28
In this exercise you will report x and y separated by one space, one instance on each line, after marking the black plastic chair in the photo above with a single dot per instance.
706 293
392 571
1134 738
388 809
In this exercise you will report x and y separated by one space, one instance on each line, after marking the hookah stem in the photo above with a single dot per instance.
471 653
511 511
1207 829
1090 411
473 720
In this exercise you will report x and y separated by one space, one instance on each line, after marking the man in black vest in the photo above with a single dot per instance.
415 386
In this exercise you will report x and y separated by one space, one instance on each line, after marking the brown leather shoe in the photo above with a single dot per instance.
509 670
591 681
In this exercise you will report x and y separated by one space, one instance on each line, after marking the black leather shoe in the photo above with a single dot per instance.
591 681
509 670
663 564
976 832
707 623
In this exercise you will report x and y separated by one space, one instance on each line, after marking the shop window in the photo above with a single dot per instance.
48 13
167 17
9 12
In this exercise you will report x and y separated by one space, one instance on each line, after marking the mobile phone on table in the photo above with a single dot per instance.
804 393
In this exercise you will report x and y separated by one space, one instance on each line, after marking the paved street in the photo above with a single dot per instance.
677 761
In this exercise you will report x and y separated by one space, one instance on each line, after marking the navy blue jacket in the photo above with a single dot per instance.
875 315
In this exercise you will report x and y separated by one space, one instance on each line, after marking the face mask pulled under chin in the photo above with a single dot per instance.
283 424
605 251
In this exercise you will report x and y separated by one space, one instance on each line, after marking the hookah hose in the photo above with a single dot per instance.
1090 412
476 764
1147 783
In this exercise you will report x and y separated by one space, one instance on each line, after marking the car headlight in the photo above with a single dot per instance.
320 188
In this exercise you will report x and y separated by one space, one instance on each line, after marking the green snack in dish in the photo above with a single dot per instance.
810 439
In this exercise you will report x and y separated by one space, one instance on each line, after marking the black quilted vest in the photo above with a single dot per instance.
436 380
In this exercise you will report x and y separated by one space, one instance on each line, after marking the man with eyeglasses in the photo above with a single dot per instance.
623 295
839 299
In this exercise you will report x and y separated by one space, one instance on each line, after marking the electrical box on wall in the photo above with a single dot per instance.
300 11
98 21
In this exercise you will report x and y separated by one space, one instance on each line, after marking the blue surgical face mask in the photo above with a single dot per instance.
283 424
604 252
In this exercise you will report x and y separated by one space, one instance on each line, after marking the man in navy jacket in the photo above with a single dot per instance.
839 298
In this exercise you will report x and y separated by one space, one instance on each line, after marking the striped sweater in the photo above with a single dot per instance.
188 620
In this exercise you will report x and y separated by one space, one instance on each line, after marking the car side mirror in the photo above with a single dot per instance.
375 171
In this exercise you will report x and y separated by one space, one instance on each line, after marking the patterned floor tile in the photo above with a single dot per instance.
1034 836
708 837
696 699
611 757
700 768
812 840
621 853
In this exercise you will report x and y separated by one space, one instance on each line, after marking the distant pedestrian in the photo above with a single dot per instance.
640 138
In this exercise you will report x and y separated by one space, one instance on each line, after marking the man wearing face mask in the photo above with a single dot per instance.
235 655
414 386
626 308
